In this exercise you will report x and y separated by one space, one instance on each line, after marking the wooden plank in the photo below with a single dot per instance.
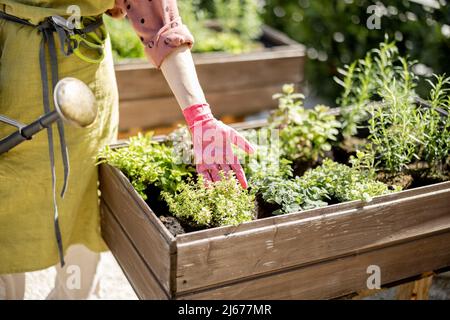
307 214
338 277
149 236
162 111
138 84
232 82
224 258
415 290
138 273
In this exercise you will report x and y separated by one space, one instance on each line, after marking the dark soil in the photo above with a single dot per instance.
300 167
347 148
402 180
423 176
160 208
264 209
172 224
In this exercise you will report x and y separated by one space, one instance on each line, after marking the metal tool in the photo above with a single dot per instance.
79 38
74 103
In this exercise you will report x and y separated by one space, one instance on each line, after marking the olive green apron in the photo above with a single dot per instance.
27 233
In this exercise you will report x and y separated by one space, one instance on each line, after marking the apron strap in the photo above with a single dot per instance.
47 28
48 40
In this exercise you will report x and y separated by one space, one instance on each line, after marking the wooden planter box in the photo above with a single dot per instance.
316 254
234 84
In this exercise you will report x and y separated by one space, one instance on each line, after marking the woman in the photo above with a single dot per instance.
38 227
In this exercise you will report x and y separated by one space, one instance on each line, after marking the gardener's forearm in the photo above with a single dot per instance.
179 70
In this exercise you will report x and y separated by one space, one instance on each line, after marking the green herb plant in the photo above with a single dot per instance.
346 183
369 79
402 132
329 182
267 160
436 146
396 130
214 204
305 134
291 195
147 162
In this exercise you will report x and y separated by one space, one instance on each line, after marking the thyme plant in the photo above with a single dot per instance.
211 204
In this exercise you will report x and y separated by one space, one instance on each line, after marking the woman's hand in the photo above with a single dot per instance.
212 141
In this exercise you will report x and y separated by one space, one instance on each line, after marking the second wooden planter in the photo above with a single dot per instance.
234 84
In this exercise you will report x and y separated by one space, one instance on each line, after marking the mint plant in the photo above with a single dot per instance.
305 134
147 162
291 195
211 204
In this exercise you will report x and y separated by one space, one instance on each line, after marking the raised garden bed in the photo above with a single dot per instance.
313 226
321 253
234 84
315 254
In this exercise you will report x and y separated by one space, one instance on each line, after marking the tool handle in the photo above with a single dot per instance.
27 132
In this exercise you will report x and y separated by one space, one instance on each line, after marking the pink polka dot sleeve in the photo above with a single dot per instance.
157 23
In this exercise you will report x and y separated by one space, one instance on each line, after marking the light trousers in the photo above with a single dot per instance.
77 280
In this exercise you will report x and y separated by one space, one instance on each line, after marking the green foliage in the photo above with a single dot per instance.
291 194
345 183
211 205
305 134
147 162
330 181
336 33
401 132
369 79
396 130
436 146
124 40
239 16
239 21
267 159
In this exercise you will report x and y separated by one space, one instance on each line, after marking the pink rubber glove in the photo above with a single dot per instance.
212 141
